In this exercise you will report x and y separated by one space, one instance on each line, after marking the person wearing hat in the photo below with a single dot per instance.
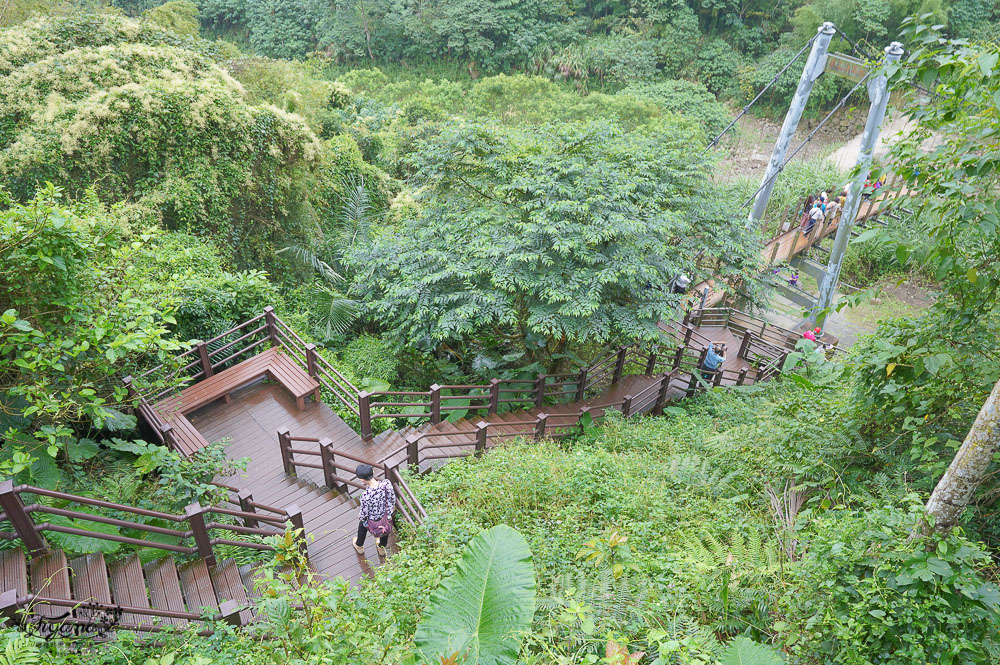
377 505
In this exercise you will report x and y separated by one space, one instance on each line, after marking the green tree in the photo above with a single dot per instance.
80 316
536 241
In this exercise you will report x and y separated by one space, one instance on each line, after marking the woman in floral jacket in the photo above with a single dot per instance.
377 504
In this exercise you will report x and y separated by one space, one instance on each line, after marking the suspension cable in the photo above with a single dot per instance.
808 138
760 94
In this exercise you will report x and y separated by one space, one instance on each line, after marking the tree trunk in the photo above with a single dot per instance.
966 471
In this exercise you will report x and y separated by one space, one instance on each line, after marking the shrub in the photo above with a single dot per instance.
370 357
867 593
686 98
718 64
177 16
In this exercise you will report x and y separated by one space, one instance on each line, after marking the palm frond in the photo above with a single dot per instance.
338 311
309 259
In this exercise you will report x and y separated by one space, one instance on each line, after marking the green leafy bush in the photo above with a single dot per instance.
685 98
867 592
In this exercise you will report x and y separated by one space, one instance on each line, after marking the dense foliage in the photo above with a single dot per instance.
509 209
531 244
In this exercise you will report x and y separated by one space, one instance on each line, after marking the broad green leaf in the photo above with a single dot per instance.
481 610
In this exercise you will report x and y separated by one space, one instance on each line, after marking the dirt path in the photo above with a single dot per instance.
749 149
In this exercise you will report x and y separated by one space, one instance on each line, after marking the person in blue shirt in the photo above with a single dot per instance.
713 360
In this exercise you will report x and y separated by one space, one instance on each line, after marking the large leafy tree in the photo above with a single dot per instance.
536 241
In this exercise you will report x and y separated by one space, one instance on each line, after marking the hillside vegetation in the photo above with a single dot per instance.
460 190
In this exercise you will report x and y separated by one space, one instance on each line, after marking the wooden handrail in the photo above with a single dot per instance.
29 532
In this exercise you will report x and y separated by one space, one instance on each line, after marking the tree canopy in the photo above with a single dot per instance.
546 239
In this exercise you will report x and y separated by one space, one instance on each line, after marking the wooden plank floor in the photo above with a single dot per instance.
251 421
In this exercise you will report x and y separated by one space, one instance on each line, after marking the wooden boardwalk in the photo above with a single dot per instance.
250 422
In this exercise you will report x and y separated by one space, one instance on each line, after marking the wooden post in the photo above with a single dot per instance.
230 611
272 327
298 524
741 379
583 411
744 345
195 515
129 388
311 367
206 362
245 497
412 451
627 406
687 335
687 318
540 425
661 396
494 395
365 413
481 429
167 432
435 404
718 377
651 363
285 447
774 252
327 460
11 504
795 241
701 358
539 391
692 384
678 357
620 364
581 384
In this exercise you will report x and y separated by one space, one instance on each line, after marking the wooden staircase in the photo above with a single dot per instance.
146 597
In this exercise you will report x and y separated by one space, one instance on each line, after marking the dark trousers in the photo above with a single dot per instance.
363 532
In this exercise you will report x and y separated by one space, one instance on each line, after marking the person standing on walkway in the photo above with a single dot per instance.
377 505
713 361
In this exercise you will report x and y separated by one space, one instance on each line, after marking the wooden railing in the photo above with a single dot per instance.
764 341
195 526
206 358
341 476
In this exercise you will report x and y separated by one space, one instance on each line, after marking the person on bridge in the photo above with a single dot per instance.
713 361
815 215
377 505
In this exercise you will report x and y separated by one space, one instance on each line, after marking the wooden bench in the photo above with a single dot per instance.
271 363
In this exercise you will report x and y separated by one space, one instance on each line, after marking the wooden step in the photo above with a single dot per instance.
90 582
50 579
196 584
128 588
229 586
14 571
165 588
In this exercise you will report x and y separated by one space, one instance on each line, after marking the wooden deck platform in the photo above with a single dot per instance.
251 421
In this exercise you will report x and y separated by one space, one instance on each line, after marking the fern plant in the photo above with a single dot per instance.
19 649
737 580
